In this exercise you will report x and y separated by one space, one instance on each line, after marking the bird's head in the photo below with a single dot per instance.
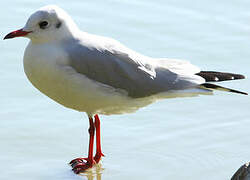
46 24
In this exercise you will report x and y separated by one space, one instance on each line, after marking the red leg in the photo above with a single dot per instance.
81 164
99 153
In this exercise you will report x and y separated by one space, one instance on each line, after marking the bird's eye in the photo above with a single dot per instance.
43 24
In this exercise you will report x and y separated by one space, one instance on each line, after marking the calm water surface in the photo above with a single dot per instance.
200 138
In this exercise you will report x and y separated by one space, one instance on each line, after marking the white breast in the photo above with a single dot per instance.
43 71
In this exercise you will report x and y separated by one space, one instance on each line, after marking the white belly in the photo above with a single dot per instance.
53 77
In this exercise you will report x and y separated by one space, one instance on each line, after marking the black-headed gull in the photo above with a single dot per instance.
99 75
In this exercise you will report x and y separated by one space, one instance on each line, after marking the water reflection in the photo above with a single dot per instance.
94 173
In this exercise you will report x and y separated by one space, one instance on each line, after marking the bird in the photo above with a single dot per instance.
100 76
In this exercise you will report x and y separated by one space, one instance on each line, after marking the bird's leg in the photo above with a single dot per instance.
99 153
81 164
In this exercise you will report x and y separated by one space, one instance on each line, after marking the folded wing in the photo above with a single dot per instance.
107 61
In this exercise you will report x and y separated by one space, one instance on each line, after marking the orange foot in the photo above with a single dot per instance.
81 164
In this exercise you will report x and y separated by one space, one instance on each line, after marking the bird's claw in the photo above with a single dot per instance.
77 160
80 165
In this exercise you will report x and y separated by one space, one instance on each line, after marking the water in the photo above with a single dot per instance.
206 137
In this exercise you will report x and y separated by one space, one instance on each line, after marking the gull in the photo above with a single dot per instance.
99 75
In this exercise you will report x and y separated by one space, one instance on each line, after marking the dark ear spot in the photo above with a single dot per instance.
58 25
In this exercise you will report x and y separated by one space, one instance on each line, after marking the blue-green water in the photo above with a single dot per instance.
200 138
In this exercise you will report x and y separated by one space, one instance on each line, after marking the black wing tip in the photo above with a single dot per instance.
239 92
214 76
242 76
216 87
238 76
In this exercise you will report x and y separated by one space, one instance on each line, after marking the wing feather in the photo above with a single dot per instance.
107 61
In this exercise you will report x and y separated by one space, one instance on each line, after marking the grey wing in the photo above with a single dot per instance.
117 68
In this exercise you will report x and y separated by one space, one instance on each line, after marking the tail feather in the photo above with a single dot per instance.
220 88
213 76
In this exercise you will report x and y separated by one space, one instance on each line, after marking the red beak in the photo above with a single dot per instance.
17 33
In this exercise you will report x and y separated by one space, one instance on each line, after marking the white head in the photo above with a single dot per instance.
47 24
